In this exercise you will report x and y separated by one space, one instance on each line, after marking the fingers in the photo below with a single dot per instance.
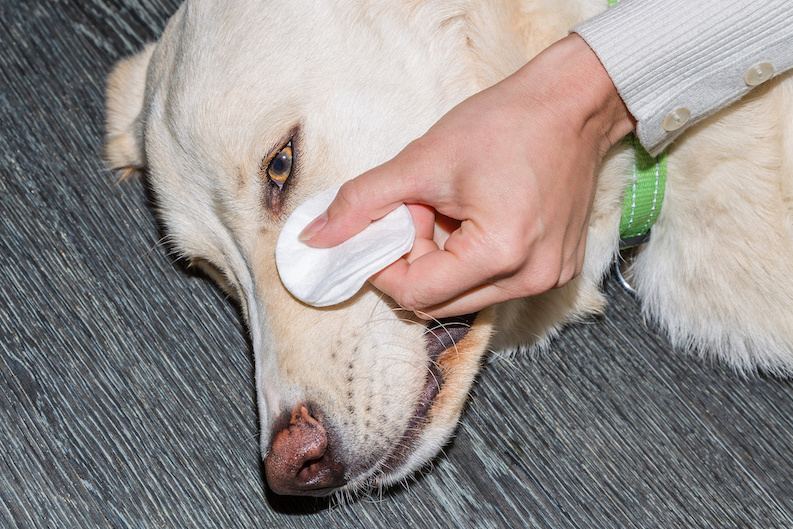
349 213
394 282
423 220
360 201
438 283
425 280
472 301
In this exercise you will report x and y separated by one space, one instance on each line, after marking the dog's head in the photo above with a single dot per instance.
243 110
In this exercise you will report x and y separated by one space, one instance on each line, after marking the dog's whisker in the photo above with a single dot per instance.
390 320
449 324
376 306
163 241
246 440
433 374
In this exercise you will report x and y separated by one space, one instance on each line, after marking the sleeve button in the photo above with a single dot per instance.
676 119
759 73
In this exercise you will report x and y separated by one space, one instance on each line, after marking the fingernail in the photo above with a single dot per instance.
313 228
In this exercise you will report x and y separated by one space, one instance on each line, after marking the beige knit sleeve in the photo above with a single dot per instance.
675 62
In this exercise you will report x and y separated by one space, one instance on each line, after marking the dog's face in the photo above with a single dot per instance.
249 108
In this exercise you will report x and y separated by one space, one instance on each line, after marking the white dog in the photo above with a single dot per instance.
360 395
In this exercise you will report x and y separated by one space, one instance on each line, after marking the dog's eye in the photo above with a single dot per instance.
280 167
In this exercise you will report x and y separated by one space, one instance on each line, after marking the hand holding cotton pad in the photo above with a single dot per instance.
327 276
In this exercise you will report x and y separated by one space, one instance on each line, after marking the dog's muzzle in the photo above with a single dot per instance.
304 458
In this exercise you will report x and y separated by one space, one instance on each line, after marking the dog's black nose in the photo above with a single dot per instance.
302 460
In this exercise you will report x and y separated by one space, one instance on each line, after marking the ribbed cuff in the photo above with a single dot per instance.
680 54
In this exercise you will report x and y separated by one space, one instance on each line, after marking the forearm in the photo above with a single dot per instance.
665 55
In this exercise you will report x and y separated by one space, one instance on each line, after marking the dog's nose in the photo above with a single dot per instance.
301 460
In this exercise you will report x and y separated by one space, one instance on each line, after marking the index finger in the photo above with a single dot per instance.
362 200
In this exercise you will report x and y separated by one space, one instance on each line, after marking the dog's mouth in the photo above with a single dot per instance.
441 336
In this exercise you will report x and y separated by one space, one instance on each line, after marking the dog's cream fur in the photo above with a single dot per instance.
229 82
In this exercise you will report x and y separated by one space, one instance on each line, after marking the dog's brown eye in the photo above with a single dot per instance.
280 166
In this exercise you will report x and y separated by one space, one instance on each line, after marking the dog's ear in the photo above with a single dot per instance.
125 91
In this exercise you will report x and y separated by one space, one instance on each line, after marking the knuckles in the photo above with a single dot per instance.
408 301
350 198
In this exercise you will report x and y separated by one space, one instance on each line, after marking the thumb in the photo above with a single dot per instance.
358 203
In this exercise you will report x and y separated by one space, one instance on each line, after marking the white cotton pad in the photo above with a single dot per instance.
326 276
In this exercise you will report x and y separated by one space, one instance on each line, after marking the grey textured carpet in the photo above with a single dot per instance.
126 384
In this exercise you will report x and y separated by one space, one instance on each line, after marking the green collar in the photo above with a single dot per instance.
643 195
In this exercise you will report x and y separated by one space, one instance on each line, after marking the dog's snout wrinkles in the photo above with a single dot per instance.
302 460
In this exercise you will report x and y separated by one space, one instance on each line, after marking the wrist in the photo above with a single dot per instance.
577 91
607 111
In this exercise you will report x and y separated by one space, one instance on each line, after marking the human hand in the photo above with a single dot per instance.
509 172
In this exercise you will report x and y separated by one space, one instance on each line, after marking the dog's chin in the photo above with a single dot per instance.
455 347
